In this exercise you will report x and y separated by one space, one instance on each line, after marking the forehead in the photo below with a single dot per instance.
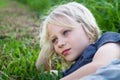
52 26
54 29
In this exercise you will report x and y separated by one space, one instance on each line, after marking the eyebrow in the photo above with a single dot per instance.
53 36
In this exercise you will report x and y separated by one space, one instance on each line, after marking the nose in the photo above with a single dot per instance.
61 43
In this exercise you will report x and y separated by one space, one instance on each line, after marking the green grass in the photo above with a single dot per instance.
106 12
17 61
17 58
18 54
3 3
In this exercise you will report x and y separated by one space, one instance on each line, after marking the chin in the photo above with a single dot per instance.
70 59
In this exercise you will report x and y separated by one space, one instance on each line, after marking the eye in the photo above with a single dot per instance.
54 40
66 32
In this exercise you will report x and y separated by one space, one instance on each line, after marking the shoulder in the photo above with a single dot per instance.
107 52
108 47
108 37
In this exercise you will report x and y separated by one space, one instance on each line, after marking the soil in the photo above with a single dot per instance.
17 20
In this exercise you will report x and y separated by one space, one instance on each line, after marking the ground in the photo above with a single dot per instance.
17 20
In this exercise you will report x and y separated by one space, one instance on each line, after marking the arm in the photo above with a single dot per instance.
42 60
102 57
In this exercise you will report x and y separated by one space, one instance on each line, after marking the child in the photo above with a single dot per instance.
70 31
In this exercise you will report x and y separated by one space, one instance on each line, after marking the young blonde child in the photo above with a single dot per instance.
70 31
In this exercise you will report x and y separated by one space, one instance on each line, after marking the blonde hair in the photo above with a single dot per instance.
72 11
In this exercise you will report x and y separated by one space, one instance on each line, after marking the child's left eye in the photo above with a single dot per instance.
66 32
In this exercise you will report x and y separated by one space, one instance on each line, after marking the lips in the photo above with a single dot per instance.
65 52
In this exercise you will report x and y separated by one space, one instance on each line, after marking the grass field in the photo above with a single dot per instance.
106 12
19 29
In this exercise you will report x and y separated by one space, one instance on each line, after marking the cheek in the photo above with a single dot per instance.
78 44
56 49
75 40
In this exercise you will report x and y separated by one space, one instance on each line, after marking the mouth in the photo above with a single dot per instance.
65 52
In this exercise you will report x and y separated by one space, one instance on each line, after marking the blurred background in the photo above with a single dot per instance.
19 30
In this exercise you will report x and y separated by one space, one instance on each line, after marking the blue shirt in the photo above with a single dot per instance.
90 51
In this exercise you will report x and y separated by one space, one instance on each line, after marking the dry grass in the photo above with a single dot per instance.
17 20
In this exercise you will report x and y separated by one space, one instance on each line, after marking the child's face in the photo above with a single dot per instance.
68 42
